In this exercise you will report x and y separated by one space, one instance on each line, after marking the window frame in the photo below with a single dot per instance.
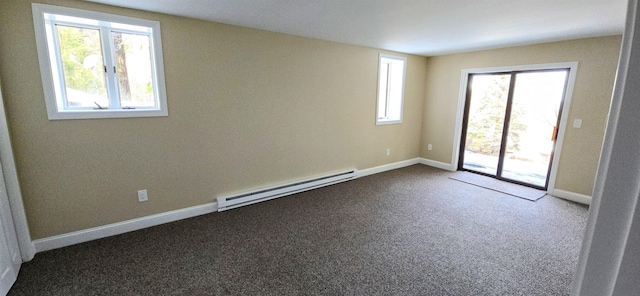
398 117
53 77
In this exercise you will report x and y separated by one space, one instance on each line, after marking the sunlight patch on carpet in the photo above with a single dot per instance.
500 186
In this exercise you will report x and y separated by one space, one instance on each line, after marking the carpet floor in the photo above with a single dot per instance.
411 231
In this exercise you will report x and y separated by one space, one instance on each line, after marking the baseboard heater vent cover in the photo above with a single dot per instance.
232 202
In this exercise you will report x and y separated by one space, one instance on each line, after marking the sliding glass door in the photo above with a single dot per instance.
510 124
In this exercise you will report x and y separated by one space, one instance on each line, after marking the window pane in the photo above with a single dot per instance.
83 66
390 90
133 68
395 89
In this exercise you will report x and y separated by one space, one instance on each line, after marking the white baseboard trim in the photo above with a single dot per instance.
85 235
388 167
572 196
437 164
81 236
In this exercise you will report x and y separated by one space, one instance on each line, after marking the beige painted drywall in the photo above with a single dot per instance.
597 61
247 109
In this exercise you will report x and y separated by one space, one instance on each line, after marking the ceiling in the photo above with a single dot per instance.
423 27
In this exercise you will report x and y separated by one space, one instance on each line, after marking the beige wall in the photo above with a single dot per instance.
247 108
597 61
250 108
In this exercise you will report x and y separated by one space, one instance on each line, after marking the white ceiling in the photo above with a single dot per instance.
423 27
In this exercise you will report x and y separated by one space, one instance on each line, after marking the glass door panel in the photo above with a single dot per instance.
485 122
533 121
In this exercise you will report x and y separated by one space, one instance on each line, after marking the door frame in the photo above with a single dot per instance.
572 66
507 123
26 246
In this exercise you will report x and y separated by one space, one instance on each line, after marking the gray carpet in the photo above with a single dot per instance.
497 185
411 231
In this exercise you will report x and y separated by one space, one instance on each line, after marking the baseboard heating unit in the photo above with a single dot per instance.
232 202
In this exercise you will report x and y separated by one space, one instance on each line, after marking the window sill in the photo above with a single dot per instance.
388 121
95 114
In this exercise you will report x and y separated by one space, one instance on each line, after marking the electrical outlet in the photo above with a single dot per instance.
577 123
388 151
142 195
429 147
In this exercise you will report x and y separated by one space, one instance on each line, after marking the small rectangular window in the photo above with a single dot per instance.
391 72
97 65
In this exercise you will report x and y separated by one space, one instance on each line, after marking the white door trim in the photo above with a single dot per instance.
27 249
573 67
608 262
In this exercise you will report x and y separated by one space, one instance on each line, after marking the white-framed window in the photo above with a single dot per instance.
391 72
98 65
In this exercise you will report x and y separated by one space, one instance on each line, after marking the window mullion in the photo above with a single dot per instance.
109 61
